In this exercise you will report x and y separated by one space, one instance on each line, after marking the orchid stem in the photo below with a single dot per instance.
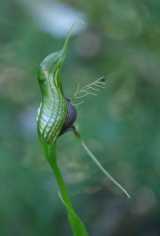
77 226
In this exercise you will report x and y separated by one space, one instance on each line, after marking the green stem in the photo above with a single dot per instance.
76 224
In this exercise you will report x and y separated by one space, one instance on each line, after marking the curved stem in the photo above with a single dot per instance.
76 224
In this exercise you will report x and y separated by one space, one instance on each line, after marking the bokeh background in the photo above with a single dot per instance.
115 39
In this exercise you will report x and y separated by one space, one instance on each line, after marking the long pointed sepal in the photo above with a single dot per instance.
99 165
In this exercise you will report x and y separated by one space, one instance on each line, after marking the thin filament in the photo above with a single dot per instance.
94 159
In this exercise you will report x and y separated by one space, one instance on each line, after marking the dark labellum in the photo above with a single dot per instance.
71 117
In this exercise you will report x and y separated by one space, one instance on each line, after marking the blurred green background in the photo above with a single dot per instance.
115 39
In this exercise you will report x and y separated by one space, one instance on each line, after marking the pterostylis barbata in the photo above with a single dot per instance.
57 115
